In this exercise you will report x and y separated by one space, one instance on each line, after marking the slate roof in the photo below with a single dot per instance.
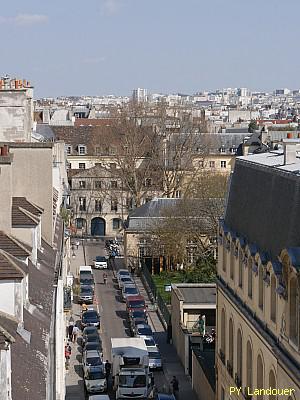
264 202
147 216
197 293
21 217
12 246
9 269
27 205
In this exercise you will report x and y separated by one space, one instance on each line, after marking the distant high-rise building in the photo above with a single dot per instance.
140 95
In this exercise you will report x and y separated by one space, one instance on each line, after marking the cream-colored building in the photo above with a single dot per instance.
258 330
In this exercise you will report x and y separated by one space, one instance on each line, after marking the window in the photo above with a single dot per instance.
212 164
112 165
273 299
114 184
223 332
80 223
260 375
293 310
272 384
201 164
81 165
231 341
82 184
68 149
69 165
178 194
232 260
112 150
261 288
114 205
239 365
116 223
98 205
241 270
81 149
249 365
223 164
233 150
148 182
82 204
250 279
97 184
222 149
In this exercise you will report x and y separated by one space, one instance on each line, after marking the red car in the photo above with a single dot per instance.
135 303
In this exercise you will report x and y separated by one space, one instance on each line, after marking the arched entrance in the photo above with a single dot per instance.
98 227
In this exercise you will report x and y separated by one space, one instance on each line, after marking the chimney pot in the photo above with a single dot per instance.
4 151
289 135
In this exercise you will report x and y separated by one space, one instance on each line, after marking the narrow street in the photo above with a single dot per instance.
114 324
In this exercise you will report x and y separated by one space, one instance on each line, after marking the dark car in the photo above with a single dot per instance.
138 314
89 330
143 330
86 294
90 318
164 396
92 346
134 322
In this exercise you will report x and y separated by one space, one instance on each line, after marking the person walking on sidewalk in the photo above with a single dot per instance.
70 328
105 278
175 386
75 333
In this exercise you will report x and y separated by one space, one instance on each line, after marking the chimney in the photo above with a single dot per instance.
289 135
290 150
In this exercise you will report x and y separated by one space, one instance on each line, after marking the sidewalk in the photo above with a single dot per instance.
74 375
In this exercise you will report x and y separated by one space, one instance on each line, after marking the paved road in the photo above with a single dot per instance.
112 310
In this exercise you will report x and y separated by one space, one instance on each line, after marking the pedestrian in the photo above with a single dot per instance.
68 351
70 328
153 392
77 244
107 368
84 307
75 333
175 386
105 278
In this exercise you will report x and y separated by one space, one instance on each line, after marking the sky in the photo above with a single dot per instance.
101 47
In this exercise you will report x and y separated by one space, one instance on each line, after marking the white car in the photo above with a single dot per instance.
100 262
99 397
155 361
91 359
125 280
95 380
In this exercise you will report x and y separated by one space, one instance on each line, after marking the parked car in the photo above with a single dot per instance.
129 290
135 303
86 294
95 382
91 358
134 322
89 330
138 314
150 342
143 330
100 262
125 280
99 397
122 272
87 279
90 318
97 345
155 361
164 396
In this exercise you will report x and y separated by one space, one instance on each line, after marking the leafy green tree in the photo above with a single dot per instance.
252 126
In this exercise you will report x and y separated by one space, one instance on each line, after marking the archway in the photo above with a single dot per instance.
98 226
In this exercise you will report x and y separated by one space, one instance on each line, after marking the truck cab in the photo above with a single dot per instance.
130 368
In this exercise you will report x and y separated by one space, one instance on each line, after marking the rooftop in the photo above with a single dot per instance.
196 293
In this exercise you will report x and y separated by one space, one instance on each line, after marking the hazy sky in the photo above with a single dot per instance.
68 47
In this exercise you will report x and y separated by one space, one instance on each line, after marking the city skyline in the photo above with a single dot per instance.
113 46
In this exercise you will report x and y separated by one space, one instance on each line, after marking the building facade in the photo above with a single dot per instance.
258 335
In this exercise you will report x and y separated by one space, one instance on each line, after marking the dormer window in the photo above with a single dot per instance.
68 149
233 150
81 149
222 149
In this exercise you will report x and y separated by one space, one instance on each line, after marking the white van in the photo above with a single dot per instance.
85 269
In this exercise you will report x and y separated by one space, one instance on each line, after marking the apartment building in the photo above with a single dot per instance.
258 335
